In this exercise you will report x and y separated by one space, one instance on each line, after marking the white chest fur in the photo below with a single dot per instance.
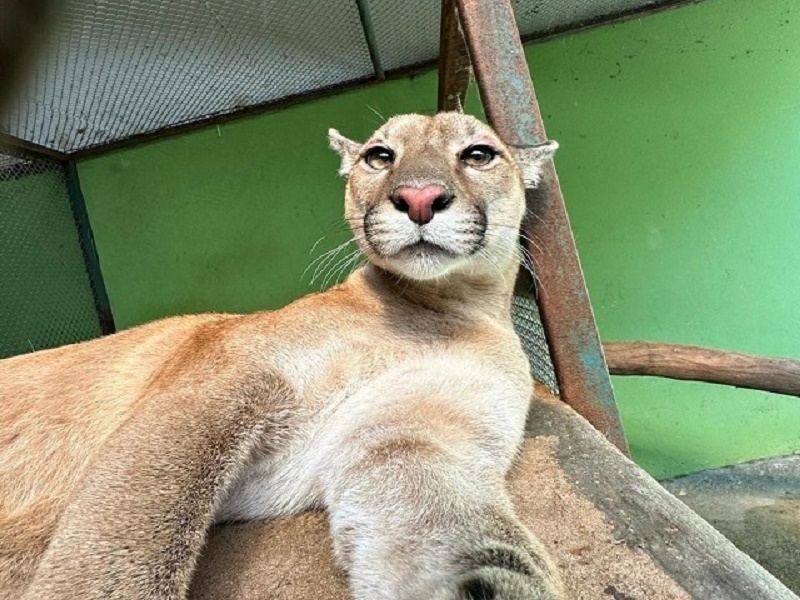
476 399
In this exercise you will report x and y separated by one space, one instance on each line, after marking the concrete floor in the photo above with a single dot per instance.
755 505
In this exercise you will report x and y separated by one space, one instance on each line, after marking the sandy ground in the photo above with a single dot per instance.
292 559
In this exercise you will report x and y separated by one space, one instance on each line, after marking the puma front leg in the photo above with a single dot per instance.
417 501
138 521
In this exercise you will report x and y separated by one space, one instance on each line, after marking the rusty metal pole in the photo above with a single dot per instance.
510 103
455 69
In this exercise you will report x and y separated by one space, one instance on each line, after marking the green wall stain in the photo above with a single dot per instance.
679 164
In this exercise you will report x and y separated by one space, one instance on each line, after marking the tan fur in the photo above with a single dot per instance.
396 401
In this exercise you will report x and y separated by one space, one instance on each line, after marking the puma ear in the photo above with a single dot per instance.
347 149
532 159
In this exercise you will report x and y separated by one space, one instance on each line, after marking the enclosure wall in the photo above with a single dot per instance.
679 136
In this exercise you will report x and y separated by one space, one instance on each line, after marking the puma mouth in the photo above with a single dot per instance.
426 249
428 244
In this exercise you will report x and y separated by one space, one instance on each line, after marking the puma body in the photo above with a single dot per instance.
396 401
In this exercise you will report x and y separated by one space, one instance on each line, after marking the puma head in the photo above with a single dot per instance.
430 195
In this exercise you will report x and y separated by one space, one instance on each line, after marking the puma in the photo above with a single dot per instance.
396 401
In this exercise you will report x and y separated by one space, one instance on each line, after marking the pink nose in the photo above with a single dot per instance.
421 203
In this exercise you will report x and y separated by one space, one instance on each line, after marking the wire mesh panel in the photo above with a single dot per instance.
46 299
408 32
528 325
542 16
118 68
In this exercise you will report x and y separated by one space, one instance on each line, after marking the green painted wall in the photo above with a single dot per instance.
679 163
226 218
681 168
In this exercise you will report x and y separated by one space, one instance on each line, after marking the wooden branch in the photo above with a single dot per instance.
676 361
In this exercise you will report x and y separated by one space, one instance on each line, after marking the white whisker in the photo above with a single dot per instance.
323 261
336 267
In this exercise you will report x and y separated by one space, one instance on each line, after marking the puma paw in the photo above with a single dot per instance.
493 583
507 572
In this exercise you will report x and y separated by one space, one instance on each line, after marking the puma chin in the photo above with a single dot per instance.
429 196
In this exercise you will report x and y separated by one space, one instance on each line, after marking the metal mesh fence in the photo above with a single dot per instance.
536 17
117 69
528 325
408 32
46 298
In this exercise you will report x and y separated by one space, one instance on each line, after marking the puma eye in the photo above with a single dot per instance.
379 157
479 155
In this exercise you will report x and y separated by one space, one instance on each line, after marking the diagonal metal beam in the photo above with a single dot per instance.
455 69
510 103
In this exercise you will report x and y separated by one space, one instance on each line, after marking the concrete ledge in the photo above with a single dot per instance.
756 505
